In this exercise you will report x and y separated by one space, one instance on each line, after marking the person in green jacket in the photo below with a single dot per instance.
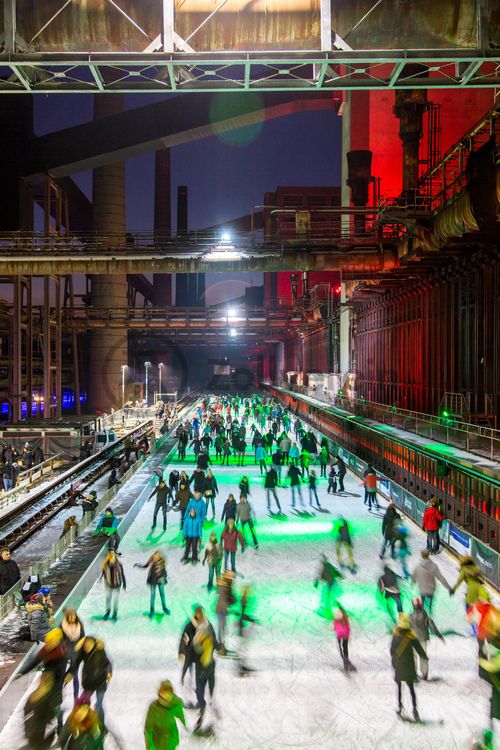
471 576
160 730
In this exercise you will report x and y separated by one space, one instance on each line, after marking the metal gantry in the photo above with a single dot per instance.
62 48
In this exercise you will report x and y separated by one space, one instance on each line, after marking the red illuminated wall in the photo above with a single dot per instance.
375 127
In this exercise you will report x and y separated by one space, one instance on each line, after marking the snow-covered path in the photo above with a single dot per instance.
297 697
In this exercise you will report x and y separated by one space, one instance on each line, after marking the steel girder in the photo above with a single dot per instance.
31 72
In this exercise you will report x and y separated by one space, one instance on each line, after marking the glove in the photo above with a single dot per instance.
243 549
452 593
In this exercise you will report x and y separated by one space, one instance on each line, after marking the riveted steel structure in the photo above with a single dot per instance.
174 45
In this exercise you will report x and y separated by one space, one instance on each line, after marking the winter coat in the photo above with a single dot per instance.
341 467
184 496
341 626
260 453
271 479
244 487
204 461
198 481
213 554
200 507
388 582
471 576
344 533
96 666
107 524
389 521
114 577
72 632
191 528
85 735
328 573
38 618
421 623
230 539
160 730
295 475
157 573
225 599
425 575
244 511
404 644
161 491
54 661
9 574
432 519
285 445
370 481
229 510
210 488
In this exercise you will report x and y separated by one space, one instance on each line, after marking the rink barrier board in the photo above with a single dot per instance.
455 539
17 685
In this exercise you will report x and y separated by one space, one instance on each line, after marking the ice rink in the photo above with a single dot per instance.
298 696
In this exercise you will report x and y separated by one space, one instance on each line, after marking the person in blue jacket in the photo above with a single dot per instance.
199 505
191 531
108 526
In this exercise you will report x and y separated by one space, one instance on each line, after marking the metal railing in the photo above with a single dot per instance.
27 478
484 441
42 568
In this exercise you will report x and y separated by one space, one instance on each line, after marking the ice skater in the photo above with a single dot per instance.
157 579
329 574
213 555
343 544
191 531
246 516
404 645
270 484
230 538
161 731
113 576
162 492
388 585
342 629
295 477
313 492
421 624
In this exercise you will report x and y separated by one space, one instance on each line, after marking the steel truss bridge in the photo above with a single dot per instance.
166 46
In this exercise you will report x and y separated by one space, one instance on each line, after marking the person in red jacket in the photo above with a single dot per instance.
431 524
230 538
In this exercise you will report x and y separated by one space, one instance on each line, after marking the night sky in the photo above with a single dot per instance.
225 179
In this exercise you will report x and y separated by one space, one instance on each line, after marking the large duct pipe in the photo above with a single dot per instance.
411 104
359 170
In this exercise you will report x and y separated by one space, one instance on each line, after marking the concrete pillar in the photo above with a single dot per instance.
108 348
162 282
345 335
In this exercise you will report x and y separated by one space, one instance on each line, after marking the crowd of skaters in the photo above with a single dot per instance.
283 453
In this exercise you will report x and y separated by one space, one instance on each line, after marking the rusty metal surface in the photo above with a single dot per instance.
244 25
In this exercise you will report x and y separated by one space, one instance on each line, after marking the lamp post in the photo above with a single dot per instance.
160 370
124 370
147 365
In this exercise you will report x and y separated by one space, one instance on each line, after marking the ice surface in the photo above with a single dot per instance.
297 697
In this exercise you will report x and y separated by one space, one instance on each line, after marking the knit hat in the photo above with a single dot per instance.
403 621
425 553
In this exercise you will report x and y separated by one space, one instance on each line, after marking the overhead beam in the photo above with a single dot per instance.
24 263
157 126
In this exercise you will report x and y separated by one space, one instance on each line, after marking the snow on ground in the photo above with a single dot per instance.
297 697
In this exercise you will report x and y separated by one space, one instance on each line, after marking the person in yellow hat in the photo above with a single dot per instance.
404 645
53 657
